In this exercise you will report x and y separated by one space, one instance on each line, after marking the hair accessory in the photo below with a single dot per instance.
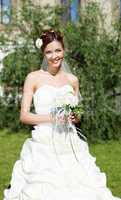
39 43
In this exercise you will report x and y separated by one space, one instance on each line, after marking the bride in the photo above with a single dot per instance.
48 168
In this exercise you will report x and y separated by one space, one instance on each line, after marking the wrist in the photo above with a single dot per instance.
50 118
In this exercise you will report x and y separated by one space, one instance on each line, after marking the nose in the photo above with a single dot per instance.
54 55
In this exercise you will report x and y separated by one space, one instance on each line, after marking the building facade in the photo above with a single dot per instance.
110 8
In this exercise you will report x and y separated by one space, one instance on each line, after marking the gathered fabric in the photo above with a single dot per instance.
54 165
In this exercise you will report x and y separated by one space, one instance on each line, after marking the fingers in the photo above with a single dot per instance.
73 118
61 119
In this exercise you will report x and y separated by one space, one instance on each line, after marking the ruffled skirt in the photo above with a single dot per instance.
56 167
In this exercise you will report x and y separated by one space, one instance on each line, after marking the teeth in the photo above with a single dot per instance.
55 61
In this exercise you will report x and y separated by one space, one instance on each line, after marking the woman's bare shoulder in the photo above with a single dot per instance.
34 74
72 78
32 79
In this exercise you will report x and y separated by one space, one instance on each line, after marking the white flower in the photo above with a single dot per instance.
39 43
70 99
60 101
66 99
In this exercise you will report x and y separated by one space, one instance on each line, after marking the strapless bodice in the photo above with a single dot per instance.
45 95
45 99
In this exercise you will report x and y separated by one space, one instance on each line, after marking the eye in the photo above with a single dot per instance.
58 50
48 52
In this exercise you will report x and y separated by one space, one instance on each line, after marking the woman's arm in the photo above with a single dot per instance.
26 116
75 84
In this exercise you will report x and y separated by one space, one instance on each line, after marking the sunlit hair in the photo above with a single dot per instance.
49 36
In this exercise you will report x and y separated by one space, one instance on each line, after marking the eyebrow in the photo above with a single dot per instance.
51 50
47 51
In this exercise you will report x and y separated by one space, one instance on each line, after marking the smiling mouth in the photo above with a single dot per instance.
56 61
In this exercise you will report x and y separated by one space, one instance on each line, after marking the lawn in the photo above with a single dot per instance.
108 158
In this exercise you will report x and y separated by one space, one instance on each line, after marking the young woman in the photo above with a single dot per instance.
54 165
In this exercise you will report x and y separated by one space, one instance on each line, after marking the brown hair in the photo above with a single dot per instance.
49 36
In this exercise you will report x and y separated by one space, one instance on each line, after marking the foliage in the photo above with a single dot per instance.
17 65
93 54
25 58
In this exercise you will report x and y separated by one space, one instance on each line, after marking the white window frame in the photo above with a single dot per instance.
5 11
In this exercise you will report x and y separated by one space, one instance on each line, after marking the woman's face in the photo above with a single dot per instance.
54 54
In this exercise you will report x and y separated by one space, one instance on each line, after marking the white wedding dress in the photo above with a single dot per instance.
48 170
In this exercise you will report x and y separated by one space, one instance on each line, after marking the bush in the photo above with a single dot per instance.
95 57
16 66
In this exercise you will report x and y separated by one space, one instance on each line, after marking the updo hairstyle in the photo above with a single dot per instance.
49 36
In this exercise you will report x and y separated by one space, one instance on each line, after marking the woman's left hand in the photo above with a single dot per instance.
73 118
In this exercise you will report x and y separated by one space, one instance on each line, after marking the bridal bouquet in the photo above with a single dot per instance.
67 103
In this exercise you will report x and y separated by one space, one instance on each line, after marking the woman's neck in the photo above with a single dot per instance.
54 72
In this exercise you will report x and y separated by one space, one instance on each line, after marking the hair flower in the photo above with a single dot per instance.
39 43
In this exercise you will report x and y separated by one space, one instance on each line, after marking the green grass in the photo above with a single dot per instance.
10 145
108 158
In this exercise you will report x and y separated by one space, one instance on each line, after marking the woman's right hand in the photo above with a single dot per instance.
61 119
